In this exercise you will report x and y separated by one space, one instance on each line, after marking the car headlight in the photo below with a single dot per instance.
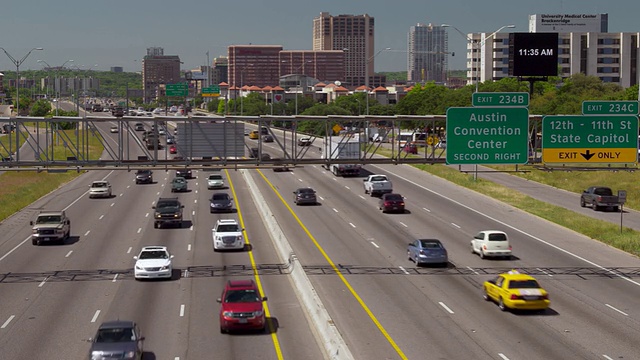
129 354
34 231
139 267
227 313
158 215
258 313
239 238
166 267
176 215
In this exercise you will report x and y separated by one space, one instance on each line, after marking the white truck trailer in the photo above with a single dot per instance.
334 149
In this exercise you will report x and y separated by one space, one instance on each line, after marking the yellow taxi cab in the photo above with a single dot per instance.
255 134
513 290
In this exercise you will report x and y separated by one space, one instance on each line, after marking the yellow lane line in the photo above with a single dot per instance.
335 268
267 313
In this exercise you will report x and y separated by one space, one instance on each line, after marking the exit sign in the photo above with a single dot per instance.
500 99
610 108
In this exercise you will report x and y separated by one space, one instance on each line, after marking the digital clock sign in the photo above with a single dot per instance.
533 54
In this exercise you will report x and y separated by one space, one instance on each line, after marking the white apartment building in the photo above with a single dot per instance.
613 57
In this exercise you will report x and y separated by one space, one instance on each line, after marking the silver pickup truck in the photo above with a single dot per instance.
377 185
50 226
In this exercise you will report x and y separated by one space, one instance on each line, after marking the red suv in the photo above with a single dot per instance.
241 306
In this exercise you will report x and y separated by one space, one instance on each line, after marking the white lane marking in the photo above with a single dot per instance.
515 229
139 230
321 198
334 178
43 281
182 310
87 233
95 316
176 358
425 209
196 190
69 253
475 272
352 225
112 204
193 213
300 180
189 247
403 224
374 244
620 311
129 250
502 356
146 215
186 273
158 193
361 197
128 186
115 277
404 270
121 194
191 228
335 210
544 272
446 307
6 323
346 187
456 225
195 201
607 357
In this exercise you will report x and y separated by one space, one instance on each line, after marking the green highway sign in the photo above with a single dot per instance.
590 139
178 90
610 107
494 99
213 90
482 135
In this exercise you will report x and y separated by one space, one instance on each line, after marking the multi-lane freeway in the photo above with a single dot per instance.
54 297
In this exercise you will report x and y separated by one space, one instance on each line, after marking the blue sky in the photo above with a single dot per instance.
117 32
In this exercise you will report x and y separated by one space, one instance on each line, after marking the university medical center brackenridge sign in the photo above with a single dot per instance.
487 135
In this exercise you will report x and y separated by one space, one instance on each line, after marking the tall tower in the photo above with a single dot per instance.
158 69
427 54
354 34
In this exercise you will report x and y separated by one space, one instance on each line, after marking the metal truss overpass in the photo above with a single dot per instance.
72 143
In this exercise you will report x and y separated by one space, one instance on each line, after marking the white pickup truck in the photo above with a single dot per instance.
377 185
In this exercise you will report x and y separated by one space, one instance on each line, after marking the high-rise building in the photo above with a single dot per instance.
158 69
427 54
326 66
253 65
355 35
220 69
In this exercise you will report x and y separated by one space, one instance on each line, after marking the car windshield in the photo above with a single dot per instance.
179 180
430 244
99 185
227 228
378 178
154 254
523 284
497 237
241 296
144 172
166 204
220 197
49 219
115 335
394 197
215 177
306 191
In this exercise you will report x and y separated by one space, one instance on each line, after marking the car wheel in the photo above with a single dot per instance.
155 225
582 203
485 296
501 305
34 242
473 251
595 207
223 330
409 256
481 254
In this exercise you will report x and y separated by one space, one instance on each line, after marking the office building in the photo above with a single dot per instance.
253 65
427 54
219 73
157 71
355 35
327 66
613 57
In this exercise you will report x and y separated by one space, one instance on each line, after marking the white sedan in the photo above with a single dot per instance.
114 129
153 262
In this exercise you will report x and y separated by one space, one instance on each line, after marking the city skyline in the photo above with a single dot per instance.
117 33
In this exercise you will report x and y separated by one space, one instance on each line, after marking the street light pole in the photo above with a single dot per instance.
366 74
17 64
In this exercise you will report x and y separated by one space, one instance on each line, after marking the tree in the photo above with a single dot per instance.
40 108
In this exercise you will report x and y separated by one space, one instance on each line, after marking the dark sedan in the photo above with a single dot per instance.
305 196
427 251
391 203
185 173
221 202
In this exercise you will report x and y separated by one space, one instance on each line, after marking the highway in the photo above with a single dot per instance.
383 306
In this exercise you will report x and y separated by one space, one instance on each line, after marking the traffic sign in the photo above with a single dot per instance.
213 90
610 107
485 135
589 139
494 99
178 90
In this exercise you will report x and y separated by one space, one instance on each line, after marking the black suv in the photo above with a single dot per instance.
185 173
144 177
117 340
168 211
